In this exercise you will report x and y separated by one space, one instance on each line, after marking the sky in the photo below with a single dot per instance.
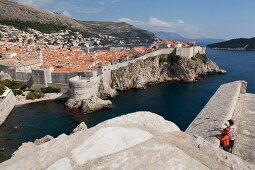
224 19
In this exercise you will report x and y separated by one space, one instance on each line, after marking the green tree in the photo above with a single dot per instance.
2 88
174 58
51 90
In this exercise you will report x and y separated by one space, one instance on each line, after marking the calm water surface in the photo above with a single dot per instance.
177 102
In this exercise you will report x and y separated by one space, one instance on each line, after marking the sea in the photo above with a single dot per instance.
175 101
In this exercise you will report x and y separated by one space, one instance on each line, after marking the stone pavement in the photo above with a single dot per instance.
245 142
221 107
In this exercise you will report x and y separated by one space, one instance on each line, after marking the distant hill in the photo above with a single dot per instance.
236 44
176 37
23 17
170 36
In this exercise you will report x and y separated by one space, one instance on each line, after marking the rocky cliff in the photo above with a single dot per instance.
162 68
140 140
137 74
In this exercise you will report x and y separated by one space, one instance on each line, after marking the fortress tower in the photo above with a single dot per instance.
39 55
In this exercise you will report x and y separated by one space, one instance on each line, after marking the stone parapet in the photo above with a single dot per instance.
6 106
217 111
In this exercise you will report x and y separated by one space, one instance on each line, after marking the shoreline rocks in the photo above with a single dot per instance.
94 103
44 139
89 105
80 127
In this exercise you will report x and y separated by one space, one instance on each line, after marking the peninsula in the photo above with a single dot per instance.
235 44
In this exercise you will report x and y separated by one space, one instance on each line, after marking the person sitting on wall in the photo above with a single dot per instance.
224 139
232 134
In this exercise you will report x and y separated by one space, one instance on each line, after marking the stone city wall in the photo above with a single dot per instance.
217 111
63 78
44 77
23 76
83 88
6 106
16 75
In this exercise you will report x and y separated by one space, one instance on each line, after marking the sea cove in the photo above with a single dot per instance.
175 101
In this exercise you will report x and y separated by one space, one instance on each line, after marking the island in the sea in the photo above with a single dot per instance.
235 44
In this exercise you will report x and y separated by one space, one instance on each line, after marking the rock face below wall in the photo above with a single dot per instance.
153 70
140 140
106 92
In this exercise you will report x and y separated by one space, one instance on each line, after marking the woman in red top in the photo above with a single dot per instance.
224 139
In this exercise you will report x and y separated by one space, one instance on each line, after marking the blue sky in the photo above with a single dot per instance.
225 19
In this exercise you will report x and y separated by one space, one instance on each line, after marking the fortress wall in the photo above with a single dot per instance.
44 76
47 74
23 76
217 111
12 73
86 86
63 78
4 68
200 50
6 106
126 63
81 88
185 52
107 77
38 77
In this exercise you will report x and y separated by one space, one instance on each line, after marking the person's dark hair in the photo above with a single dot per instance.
231 122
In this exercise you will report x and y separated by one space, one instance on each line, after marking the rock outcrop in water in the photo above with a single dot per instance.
140 140
90 97
89 105
94 103
154 70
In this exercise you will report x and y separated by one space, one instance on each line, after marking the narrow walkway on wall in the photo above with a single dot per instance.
245 140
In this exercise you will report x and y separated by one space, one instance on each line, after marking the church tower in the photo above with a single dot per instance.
39 55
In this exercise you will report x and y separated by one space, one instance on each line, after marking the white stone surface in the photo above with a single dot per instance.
136 143
107 141
147 119
153 155
6 106
61 164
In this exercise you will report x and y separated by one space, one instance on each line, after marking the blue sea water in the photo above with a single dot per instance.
176 102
